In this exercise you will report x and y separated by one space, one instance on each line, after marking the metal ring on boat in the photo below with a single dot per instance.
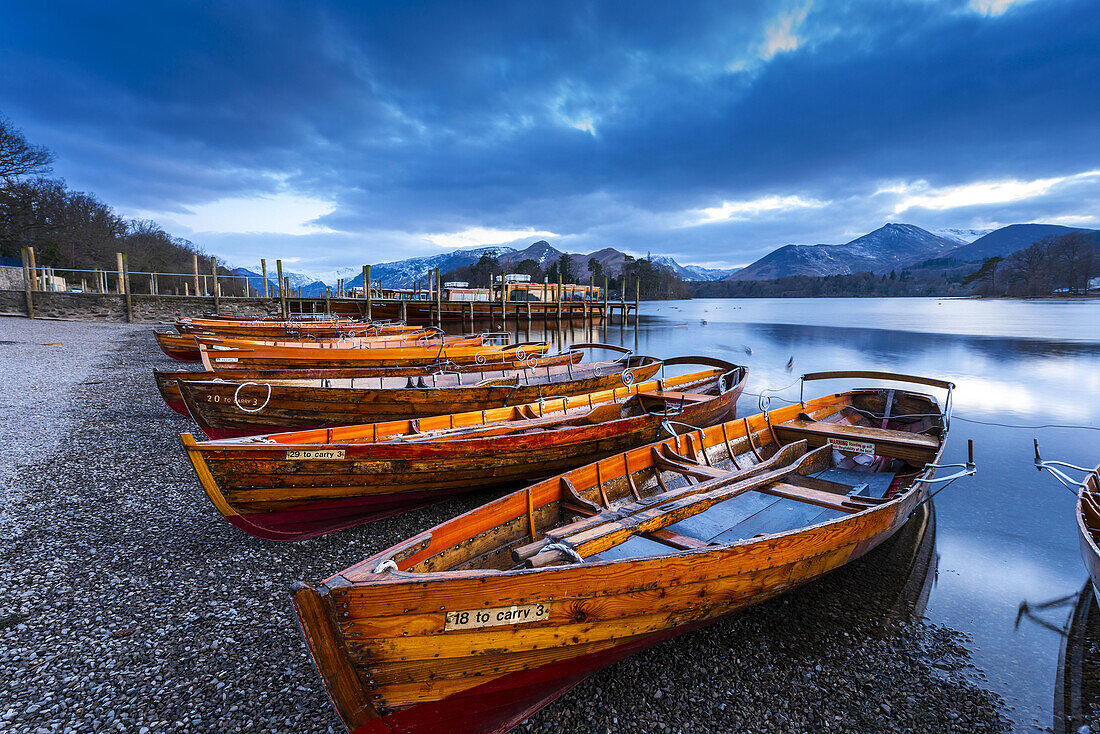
628 378
249 410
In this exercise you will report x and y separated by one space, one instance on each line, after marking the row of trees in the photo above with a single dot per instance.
1063 264
71 229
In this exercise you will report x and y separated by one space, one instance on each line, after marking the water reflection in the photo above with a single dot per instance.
1077 689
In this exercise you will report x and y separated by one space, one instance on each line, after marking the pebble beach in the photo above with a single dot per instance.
127 603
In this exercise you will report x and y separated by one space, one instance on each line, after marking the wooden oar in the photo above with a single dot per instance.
608 535
783 457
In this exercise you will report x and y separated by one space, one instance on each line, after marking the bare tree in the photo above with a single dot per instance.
19 158
1073 257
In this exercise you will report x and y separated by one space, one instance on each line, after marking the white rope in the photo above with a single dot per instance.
237 402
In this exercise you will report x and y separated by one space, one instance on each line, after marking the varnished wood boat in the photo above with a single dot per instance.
222 358
185 347
292 486
294 328
166 379
228 408
1087 510
181 347
476 623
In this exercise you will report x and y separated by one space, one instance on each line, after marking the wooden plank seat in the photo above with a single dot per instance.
914 448
668 396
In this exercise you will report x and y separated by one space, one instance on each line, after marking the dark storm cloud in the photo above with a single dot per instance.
602 122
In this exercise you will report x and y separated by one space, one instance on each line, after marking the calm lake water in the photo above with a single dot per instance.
1004 537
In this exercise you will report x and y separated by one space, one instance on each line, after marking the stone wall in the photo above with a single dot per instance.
147 309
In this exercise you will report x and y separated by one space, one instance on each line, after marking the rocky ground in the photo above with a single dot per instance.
127 604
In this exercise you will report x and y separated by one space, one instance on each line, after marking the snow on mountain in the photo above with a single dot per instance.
962 236
692 272
890 247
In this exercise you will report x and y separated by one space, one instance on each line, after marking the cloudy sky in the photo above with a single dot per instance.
339 134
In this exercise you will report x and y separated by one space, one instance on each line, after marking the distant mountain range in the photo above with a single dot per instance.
1007 240
895 247
891 247
403 273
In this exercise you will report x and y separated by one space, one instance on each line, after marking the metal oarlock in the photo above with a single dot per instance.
1066 480
968 469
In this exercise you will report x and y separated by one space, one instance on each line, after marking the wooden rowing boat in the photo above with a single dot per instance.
166 379
228 408
263 329
1087 490
228 358
293 486
185 347
478 622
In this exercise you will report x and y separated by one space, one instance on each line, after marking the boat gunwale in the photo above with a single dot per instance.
391 578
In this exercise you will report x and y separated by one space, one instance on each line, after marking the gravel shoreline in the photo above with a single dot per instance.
129 605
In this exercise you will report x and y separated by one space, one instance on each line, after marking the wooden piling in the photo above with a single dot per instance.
285 292
28 281
439 297
559 297
404 312
214 288
263 273
367 288
637 298
126 289
282 286
603 311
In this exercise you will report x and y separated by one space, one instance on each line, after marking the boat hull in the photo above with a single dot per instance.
447 620
180 347
166 379
267 357
225 410
263 491
608 613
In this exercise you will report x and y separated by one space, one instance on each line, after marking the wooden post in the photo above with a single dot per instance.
559 297
587 302
439 296
216 291
34 270
282 286
545 315
285 292
603 311
195 267
186 288
118 263
328 304
504 299
622 297
637 298
366 289
404 312
28 285
152 286
263 272
126 288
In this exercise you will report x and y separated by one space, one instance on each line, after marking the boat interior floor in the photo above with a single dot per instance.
849 484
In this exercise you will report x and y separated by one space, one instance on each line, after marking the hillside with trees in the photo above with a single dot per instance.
72 229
